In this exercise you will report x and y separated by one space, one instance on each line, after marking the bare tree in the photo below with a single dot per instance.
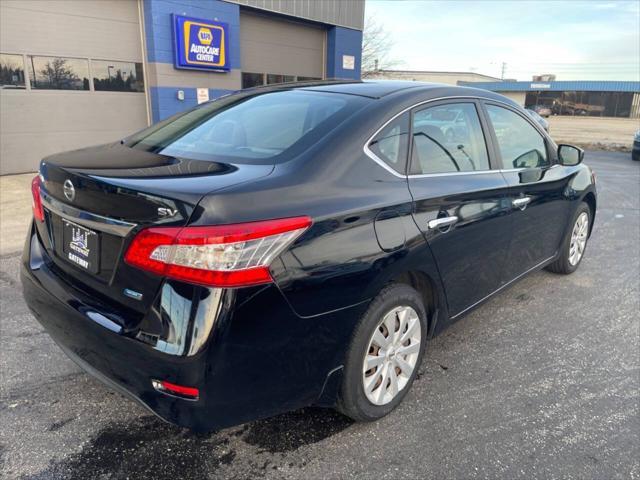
376 47
58 74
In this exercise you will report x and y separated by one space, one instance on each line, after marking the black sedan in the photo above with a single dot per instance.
295 245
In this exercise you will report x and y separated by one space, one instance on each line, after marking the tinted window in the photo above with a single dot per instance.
255 127
58 73
11 71
252 79
117 76
391 143
521 146
448 138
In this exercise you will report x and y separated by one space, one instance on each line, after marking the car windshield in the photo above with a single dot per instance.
258 128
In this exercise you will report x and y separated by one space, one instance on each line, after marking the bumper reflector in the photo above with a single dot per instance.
188 393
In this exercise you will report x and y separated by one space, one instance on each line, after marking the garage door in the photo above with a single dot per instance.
71 77
275 50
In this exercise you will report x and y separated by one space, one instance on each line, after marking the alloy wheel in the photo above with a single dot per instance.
392 355
578 238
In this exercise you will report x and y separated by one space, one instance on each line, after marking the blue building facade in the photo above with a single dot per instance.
302 43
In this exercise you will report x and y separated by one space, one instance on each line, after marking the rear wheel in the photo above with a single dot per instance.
385 354
575 243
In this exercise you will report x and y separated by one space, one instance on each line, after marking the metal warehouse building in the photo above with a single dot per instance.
581 98
78 73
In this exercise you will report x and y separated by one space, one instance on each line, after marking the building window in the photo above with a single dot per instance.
11 71
117 76
273 78
58 73
252 79
258 79
594 104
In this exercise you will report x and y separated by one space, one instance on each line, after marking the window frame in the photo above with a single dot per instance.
405 161
484 126
495 160
496 146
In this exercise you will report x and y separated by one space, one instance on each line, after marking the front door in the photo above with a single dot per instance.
460 204
537 190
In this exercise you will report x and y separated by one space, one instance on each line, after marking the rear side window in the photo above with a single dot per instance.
448 139
521 146
256 128
391 143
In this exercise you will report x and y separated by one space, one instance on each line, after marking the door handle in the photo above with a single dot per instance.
521 202
438 223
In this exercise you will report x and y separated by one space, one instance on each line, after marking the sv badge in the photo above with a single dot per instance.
167 212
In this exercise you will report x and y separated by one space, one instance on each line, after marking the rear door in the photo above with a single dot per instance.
460 203
536 188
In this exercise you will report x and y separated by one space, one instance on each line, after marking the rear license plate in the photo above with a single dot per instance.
81 246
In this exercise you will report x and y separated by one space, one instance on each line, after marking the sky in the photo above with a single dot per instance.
574 39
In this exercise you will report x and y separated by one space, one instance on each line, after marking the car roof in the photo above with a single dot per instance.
377 89
367 88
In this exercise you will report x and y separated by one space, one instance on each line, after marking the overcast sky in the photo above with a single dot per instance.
575 39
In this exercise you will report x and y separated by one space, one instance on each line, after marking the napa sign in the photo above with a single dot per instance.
200 44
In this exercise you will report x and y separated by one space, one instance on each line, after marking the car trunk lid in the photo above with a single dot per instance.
97 199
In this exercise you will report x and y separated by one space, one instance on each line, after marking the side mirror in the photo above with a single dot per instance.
569 155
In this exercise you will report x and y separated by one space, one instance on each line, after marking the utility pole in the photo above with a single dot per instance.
504 68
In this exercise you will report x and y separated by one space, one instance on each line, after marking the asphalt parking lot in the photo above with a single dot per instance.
542 381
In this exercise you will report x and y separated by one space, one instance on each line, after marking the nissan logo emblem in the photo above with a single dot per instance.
69 190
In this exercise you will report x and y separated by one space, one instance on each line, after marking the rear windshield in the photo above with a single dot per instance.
259 128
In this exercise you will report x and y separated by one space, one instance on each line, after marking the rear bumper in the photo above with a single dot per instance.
259 359
118 360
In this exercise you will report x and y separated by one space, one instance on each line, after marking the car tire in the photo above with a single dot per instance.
354 400
577 238
635 157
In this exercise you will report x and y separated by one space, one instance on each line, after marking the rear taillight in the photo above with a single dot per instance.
36 200
220 256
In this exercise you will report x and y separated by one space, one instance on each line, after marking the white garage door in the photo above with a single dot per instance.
275 50
71 77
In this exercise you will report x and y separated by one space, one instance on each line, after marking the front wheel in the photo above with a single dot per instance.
385 354
575 244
